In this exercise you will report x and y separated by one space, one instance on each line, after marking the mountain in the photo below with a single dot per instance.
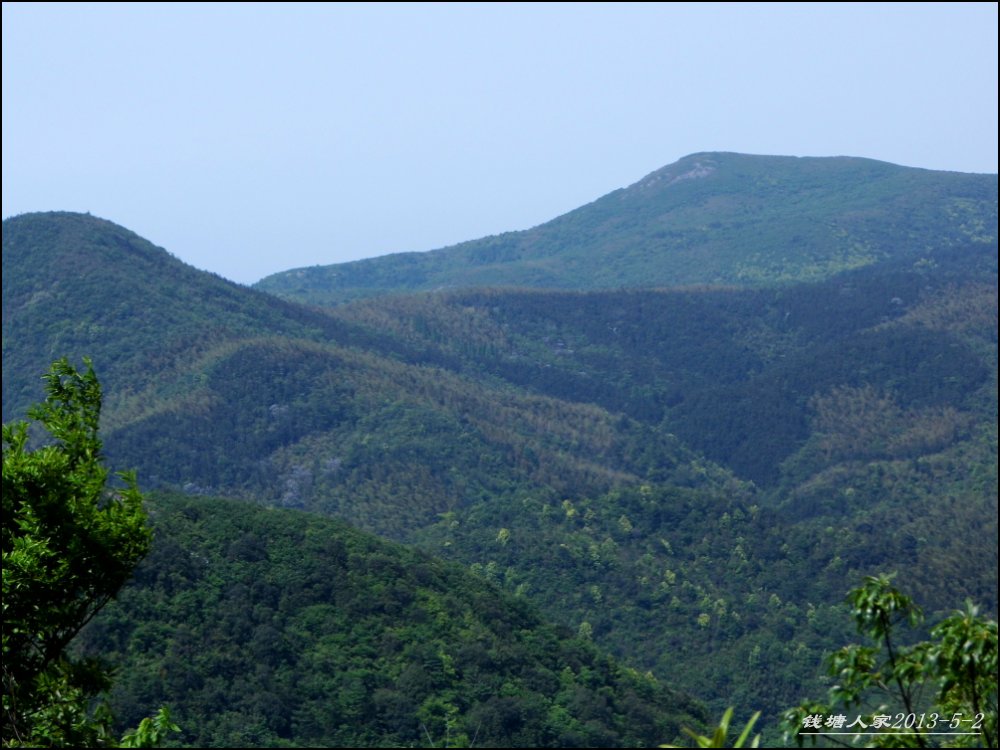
264 628
218 388
710 218
75 284
693 478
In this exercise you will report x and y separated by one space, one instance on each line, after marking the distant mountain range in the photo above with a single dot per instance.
710 218
691 478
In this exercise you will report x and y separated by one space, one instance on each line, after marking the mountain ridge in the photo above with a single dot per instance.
709 218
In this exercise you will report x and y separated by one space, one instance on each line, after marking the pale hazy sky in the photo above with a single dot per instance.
250 139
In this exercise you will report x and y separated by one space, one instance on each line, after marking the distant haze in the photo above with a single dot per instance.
251 139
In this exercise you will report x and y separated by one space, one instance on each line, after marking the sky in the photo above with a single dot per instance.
252 139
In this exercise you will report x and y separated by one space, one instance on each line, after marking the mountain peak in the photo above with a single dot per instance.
694 167
44 238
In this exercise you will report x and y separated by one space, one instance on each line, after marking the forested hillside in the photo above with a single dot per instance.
277 628
690 478
295 406
75 284
729 371
710 218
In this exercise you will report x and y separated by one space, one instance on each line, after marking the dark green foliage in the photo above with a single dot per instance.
730 372
711 218
267 627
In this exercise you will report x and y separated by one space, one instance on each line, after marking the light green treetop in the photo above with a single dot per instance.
936 693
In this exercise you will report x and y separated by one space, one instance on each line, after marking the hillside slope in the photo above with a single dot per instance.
732 372
274 628
74 284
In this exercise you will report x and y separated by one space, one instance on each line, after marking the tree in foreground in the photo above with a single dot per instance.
70 541
937 693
